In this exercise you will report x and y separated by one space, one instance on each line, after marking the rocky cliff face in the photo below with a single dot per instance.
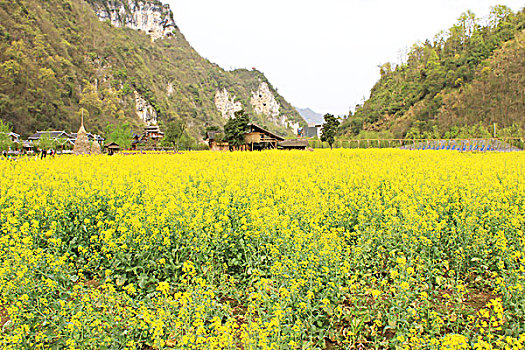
153 18
145 111
263 102
226 105
156 20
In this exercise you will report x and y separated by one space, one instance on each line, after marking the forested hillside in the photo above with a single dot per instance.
57 57
457 85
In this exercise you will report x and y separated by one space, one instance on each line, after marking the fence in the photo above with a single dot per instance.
510 144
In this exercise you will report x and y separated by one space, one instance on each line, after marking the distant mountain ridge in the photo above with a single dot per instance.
310 116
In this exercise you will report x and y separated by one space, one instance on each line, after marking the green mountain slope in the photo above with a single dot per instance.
57 57
458 85
496 95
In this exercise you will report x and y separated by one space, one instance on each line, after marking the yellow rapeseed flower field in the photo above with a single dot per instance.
343 249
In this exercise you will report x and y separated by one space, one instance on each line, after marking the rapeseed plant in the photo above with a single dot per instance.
274 250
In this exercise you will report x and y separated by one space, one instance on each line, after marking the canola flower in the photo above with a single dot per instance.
269 250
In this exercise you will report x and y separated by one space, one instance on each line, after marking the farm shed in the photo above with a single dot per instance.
293 144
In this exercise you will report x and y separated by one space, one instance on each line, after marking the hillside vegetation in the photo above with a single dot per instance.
457 85
56 57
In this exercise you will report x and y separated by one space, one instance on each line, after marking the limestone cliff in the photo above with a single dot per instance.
264 102
153 18
147 114
156 20
226 105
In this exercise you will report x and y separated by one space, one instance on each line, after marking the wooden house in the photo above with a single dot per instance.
62 139
27 146
258 138
112 148
215 141
152 133
14 137
218 145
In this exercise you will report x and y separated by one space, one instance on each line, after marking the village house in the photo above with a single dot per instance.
61 139
312 130
256 138
151 134
215 141
14 137
112 148
57 136
27 146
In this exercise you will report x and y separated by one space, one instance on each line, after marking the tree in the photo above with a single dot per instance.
235 128
329 129
5 138
174 132
498 14
46 142
119 134
215 130
187 142
354 124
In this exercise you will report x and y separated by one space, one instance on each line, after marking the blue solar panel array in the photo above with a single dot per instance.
489 145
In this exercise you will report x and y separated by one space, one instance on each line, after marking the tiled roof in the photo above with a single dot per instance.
294 143
52 134
257 128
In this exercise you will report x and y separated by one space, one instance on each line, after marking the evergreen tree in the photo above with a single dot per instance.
329 129
174 133
5 139
235 128
120 134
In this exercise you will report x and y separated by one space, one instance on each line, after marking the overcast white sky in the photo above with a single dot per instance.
320 54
